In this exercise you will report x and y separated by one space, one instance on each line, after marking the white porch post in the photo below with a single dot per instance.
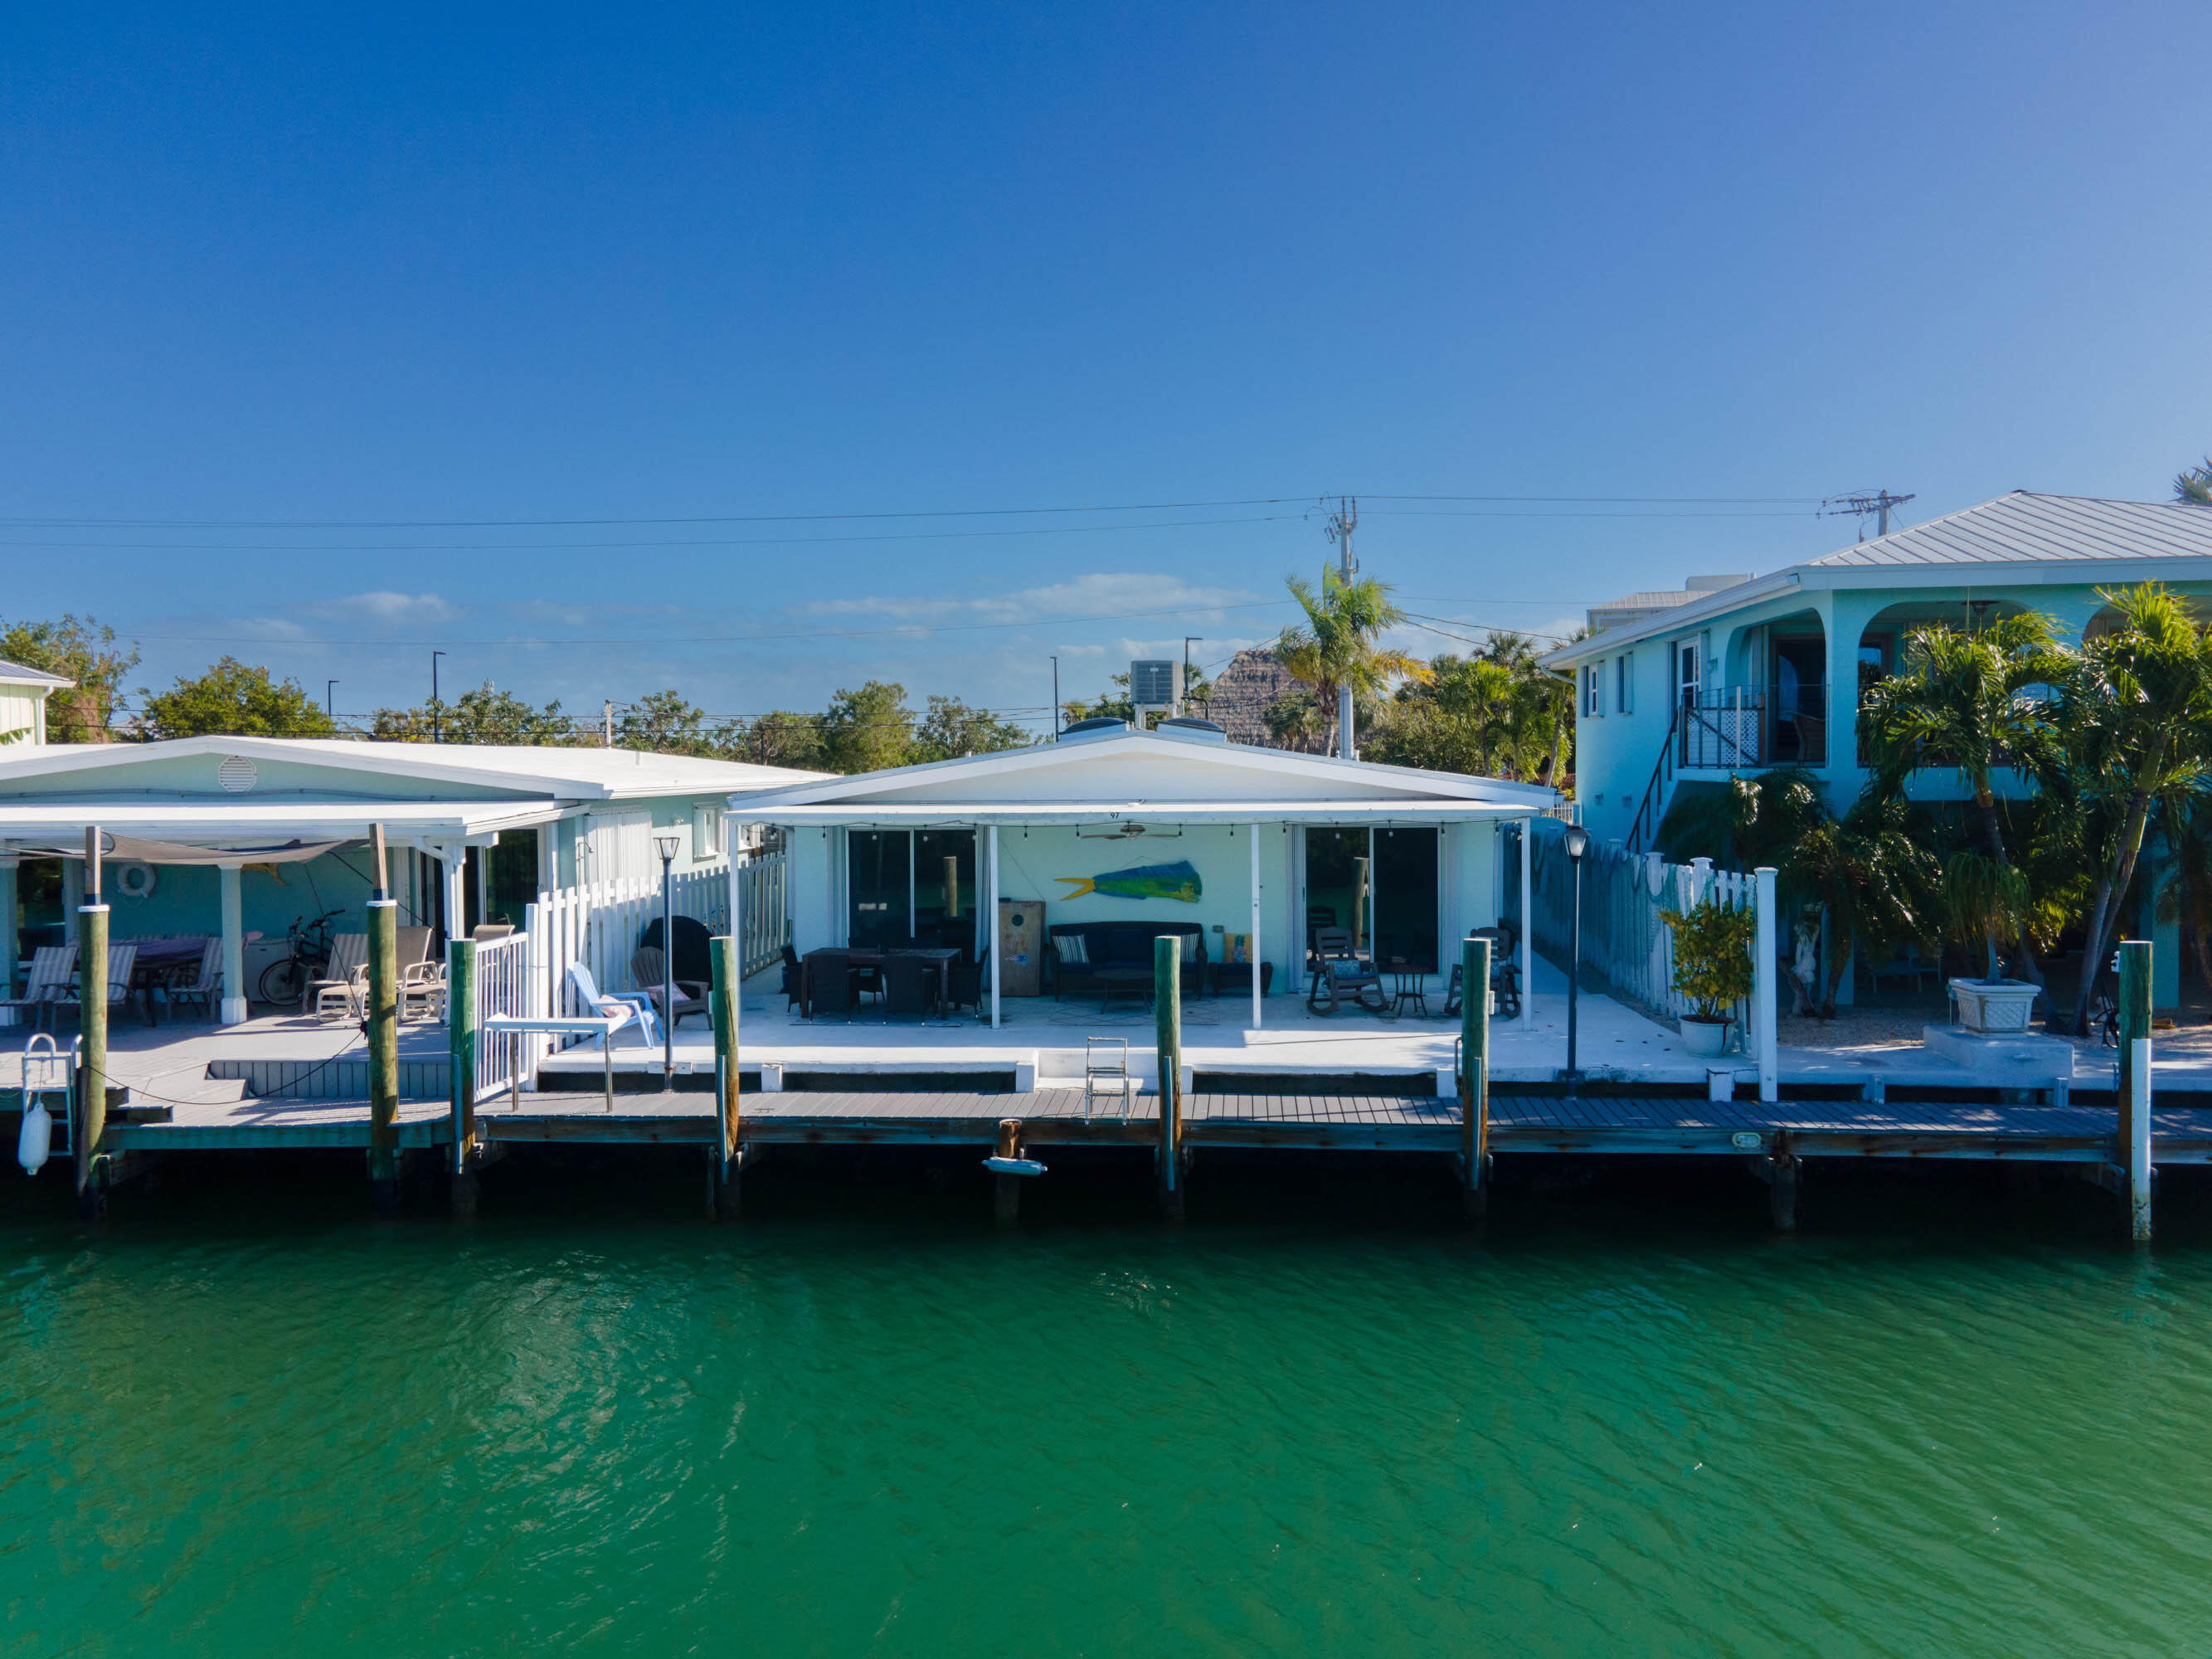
452 862
737 900
233 943
991 919
1254 953
1528 931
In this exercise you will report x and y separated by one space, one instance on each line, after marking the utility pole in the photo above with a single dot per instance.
435 655
1861 502
1188 639
329 699
607 726
1341 523
1055 700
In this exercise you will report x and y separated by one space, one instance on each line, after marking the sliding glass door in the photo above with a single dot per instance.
911 885
1378 885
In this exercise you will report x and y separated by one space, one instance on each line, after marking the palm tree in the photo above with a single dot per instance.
2195 485
2136 720
1872 875
1977 701
1337 647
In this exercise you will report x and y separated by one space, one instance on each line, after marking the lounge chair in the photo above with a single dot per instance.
122 959
646 967
625 1006
52 966
205 986
344 981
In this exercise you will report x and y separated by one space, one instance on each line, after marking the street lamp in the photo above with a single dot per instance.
667 847
1577 840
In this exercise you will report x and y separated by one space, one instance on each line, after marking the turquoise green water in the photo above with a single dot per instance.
869 1424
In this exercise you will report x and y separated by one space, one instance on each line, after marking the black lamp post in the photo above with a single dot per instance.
667 847
1577 840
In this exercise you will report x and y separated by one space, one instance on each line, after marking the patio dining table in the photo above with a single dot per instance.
863 956
158 964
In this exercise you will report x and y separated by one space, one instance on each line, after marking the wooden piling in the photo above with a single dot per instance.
1474 1076
461 1036
1782 1168
724 1006
384 1055
2133 1149
1167 1015
1006 1201
92 1077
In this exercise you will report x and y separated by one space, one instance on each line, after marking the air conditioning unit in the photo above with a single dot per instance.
1156 684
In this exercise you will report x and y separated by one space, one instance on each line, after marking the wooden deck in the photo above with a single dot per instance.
1519 1124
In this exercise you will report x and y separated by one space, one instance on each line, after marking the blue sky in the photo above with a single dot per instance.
331 340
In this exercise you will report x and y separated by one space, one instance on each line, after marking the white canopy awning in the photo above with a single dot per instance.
259 831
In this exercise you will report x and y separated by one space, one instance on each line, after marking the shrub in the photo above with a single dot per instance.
1712 955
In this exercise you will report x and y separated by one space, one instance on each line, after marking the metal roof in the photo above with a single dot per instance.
2023 528
15 673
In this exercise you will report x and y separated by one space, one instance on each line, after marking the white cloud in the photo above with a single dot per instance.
1096 593
389 607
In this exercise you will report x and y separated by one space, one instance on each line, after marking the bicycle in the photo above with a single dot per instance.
286 979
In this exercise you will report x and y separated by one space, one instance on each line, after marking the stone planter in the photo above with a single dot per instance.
1993 1006
1704 1038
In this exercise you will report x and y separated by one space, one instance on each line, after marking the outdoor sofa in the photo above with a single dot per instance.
1076 951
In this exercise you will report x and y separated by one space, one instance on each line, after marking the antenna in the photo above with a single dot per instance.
1859 503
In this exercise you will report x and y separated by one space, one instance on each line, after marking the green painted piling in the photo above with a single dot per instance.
1475 1075
1167 1015
383 1053
461 1037
2134 1095
722 1002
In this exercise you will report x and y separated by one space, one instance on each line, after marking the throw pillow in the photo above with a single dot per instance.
1074 949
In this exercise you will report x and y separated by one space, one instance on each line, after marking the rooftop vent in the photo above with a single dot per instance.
1189 728
1086 731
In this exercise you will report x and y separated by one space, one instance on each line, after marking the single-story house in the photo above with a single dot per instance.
244 837
1258 846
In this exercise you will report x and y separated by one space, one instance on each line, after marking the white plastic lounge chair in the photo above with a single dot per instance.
344 982
632 1004
206 988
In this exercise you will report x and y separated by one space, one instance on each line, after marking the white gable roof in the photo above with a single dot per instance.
1135 775
568 774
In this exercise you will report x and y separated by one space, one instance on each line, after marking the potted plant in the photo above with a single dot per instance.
1712 968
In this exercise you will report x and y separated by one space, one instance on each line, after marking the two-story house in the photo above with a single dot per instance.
1746 674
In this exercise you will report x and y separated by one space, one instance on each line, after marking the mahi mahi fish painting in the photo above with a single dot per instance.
1161 881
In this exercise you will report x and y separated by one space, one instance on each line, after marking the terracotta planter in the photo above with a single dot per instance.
1704 1038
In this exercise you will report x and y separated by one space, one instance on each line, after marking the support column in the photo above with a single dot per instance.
2133 1093
1762 985
384 1055
235 991
1167 1015
991 922
1474 1076
1254 952
11 937
1527 932
725 1010
452 867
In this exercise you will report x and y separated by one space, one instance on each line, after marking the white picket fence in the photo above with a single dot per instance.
1625 942
599 925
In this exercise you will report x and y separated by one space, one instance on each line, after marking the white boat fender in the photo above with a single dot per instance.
1020 1166
37 1138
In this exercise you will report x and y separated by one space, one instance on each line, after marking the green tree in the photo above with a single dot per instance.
233 699
486 714
1975 700
2135 721
1339 645
783 737
662 723
2195 485
1871 876
951 728
867 730
79 649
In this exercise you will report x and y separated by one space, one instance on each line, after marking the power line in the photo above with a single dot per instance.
528 524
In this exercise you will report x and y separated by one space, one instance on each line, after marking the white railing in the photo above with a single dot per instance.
599 924
503 986
1625 942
